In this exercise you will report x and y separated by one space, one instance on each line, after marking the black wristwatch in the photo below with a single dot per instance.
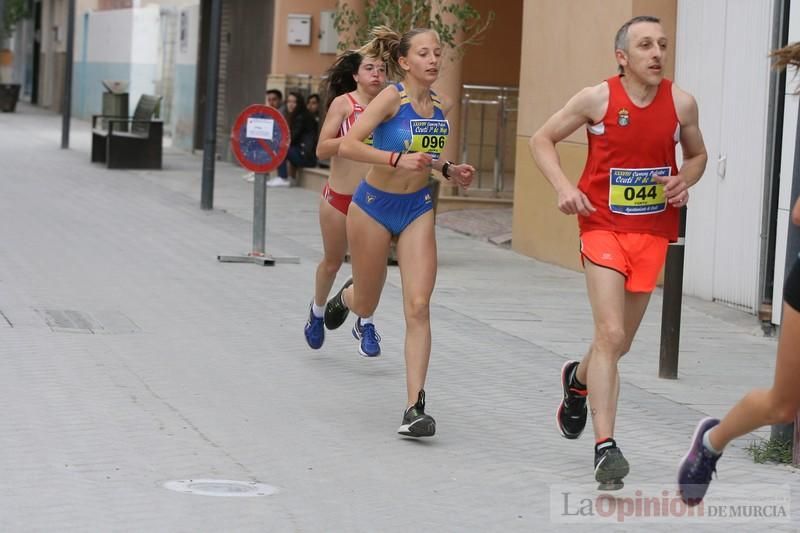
444 169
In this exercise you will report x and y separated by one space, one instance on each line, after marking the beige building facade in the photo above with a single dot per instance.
495 62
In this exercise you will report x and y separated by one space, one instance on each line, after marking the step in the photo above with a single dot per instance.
451 203
313 179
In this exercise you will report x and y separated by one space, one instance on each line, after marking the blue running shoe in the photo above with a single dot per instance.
315 329
697 466
369 340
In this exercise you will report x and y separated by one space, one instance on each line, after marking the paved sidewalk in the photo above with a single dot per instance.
487 224
131 357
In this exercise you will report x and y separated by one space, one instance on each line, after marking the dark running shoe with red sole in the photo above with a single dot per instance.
572 412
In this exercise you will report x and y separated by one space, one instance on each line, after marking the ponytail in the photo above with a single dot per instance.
788 55
385 44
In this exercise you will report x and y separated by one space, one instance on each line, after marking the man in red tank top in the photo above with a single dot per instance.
627 202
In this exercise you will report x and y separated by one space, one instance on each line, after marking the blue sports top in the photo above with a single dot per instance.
409 132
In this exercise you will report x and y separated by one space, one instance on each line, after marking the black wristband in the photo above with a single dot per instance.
444 169
399 155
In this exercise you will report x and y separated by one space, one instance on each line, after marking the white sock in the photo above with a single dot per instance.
707 443
318 310
367 320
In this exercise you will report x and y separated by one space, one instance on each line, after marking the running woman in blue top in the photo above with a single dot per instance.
410 132
759 407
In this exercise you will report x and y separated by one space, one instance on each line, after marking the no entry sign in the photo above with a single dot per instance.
260 138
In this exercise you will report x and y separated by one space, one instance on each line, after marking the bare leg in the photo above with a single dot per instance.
416 252
778 404
617 314
369 250
332 224
635 307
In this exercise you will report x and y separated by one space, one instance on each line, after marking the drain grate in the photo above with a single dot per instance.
66 319
71 321
221 487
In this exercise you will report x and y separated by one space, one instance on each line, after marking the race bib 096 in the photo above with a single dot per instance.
429 136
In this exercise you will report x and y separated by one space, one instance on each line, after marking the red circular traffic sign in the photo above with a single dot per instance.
260 138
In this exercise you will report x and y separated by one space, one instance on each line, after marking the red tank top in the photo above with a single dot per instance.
627 149
348 122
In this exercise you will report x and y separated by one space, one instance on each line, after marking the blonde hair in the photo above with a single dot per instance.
389 46
788 55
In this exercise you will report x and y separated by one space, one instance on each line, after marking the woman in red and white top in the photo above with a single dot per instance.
352 82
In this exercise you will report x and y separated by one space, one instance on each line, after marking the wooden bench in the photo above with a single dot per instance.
129 142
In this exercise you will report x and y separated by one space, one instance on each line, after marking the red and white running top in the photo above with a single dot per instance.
350 119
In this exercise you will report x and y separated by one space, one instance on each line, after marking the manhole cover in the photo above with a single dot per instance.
221 487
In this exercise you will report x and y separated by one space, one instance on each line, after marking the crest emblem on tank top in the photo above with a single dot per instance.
623 118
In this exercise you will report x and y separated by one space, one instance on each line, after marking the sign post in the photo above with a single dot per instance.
260 141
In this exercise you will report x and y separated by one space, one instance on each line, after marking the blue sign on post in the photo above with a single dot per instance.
260 141
260 138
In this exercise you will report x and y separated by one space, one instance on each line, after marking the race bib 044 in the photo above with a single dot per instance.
633 191
429 136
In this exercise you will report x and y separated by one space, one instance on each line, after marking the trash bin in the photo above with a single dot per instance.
115 100
9 95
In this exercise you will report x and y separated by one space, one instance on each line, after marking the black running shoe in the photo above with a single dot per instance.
335 310
610 466
415 422
572 412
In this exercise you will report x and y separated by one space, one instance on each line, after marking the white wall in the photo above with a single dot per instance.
183 112
722 58
139 46
187 51
110 36
119 44
145 51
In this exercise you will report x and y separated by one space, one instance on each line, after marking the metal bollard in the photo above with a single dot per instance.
66 114
671 305
259 214
212 83
796 441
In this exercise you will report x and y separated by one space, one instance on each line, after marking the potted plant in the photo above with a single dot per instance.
13 12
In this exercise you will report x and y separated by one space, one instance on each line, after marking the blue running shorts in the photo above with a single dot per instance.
394 211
